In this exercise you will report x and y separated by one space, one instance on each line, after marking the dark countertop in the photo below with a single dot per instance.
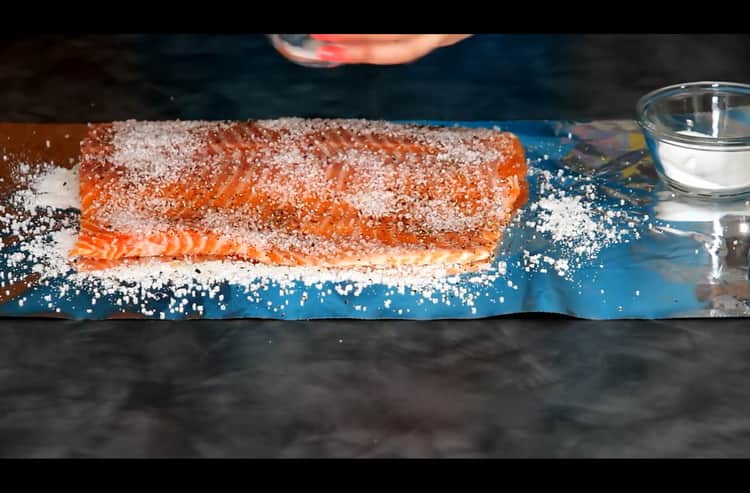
507 387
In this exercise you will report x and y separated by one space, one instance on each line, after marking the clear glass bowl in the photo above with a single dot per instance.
699 137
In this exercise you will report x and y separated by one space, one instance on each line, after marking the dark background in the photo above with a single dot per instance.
508 387
489 77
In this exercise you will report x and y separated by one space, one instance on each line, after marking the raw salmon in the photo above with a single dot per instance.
297 192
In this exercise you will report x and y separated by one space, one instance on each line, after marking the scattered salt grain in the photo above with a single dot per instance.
577 224
54 187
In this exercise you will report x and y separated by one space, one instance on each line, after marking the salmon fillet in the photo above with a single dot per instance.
294 191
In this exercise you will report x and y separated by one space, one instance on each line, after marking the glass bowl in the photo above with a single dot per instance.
699 137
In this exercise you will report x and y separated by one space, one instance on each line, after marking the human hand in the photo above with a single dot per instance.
381 49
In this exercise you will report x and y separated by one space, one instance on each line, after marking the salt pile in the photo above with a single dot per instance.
705 168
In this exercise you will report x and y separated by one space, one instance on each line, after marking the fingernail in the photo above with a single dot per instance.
331 53
323 37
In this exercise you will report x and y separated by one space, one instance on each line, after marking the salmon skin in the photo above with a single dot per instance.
295 192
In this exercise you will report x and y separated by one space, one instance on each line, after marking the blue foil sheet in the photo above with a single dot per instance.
676 257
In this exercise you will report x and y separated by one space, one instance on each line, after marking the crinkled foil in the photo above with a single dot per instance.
676 258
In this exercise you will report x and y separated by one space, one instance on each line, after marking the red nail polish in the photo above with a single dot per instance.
331 53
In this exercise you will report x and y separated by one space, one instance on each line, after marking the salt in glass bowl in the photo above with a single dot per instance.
699 137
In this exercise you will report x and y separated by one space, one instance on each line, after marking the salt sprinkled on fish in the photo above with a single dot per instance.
45 235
